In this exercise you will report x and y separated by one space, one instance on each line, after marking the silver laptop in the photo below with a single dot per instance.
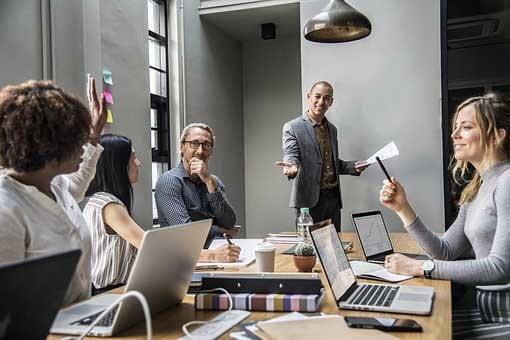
349 294
161 272
374 238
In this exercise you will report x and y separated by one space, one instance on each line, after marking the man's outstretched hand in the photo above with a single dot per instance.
289 169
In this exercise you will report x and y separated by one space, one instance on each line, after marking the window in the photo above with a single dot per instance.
158 80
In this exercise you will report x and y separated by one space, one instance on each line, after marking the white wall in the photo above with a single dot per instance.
272 96
387 87
214 95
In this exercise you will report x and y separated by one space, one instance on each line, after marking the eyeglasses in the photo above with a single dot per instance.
206 146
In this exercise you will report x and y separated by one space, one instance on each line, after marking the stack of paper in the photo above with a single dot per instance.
283 238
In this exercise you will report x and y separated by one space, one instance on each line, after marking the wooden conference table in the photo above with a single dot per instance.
167 324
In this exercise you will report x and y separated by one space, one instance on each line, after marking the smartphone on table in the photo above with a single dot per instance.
383 324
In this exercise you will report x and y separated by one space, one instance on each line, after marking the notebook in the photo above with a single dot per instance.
161 272
374 238
349 294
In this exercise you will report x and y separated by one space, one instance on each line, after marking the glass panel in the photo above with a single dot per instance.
153 21
154 118
154 139
157 82
157 170
154 207
157 54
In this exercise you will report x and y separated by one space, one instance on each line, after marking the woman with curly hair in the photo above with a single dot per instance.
481 137
47 169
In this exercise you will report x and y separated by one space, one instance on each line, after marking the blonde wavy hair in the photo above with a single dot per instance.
492 113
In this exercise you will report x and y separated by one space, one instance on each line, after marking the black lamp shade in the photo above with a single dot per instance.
338 22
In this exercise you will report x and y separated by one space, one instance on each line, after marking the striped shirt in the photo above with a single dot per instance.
112 256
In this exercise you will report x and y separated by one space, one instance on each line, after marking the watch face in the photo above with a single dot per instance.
428 265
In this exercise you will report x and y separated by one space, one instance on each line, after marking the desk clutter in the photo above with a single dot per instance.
276 292
298 326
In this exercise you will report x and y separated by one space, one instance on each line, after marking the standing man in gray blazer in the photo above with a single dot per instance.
310 158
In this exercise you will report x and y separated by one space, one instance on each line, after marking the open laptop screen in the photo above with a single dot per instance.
334 262
372 233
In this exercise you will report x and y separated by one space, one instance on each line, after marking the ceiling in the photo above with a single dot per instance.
244 24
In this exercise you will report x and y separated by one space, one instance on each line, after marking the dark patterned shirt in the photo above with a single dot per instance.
329 178
180 200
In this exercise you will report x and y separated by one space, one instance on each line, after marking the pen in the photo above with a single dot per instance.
226 237
383 168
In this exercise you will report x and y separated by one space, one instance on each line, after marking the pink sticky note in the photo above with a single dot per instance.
108 96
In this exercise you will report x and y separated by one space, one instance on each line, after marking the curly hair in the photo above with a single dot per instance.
40 123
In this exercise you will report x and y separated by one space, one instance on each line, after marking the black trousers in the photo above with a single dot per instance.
328 206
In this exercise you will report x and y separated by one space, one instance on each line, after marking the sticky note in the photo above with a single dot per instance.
109 116
108 96
107 77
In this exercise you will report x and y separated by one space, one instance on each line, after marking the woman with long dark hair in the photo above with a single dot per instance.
115 235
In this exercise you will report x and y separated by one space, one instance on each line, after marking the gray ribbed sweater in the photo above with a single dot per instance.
484 225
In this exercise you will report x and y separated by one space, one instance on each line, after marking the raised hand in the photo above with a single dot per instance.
97 110
289 169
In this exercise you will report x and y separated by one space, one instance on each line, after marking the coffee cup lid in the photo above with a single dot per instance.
266 246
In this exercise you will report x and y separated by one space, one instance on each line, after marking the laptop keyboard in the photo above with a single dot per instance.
105 322
375 295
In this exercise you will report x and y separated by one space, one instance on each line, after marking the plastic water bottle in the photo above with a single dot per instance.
304 220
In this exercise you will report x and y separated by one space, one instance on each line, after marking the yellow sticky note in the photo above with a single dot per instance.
109 116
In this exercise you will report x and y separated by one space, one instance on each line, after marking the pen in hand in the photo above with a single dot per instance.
227 237
383 168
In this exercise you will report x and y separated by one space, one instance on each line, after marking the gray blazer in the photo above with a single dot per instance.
300 147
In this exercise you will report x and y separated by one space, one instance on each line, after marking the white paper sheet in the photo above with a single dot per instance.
375 272
387 151
246 257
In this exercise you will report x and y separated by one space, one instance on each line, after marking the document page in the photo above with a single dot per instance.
375 271
246 257
388 151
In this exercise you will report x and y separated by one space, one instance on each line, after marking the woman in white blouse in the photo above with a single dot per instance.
115 235
49 150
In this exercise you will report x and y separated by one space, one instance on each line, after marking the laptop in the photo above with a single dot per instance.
32 293
349 294
161 272
374 238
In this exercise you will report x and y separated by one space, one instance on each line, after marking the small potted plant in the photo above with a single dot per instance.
304 257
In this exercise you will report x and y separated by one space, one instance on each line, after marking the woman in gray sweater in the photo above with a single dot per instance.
481 138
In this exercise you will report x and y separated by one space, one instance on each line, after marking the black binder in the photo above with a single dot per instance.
264 283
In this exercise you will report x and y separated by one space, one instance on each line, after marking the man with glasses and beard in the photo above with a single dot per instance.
189 192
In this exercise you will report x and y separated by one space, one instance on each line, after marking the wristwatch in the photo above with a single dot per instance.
428 266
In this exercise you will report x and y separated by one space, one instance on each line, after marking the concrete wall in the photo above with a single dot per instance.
64 39
272 96
20 35
387 87
124 51
214 95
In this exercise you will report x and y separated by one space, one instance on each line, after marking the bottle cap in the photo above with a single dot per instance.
305 210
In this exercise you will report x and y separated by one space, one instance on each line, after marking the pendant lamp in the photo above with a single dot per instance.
338 22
